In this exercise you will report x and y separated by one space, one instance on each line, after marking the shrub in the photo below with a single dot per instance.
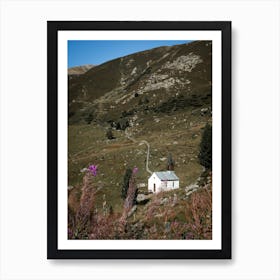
125 185
109 134
170 163
81 226
131 194
122 124
89 118
79 223
205 151
200 222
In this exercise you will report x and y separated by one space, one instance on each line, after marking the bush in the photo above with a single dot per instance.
89 118
170 163
205 151
122 124
109 134
79 223
146 100
126 180
131 194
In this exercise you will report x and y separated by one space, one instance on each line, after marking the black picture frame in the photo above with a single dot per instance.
53 27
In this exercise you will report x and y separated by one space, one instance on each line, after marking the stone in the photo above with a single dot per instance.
203 111
191 187
132 210
140 197
164 201
167 226
143 198
141 185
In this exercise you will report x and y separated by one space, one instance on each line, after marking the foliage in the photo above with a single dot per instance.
79 223
109 134
130 199
126 180
170 163
86 222
205 152
89 118
122 124
199 215
169 215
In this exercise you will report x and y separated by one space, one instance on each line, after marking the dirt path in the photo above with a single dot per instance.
140 143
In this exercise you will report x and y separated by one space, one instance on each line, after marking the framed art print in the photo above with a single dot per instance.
139 140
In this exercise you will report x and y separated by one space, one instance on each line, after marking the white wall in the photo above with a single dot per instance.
154 179
170 185
256 126
151 183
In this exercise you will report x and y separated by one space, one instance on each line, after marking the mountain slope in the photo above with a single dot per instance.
79 70
157 75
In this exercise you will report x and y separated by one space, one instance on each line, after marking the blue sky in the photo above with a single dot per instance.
97 52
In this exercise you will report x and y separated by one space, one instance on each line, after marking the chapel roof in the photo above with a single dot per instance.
167 175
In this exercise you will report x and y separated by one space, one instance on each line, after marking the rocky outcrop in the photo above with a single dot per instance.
185 62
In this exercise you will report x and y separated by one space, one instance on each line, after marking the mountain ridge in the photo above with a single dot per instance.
159 71
79 70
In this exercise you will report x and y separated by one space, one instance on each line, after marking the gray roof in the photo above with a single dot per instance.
167 175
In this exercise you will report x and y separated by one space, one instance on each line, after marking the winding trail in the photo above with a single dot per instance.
140 143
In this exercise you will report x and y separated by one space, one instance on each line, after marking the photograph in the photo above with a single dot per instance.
139 139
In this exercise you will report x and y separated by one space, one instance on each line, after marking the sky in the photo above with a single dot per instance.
97 52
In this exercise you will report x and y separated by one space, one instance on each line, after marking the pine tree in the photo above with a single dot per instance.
205 152
170 163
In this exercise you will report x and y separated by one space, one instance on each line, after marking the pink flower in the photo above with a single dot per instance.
93 169
135 170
